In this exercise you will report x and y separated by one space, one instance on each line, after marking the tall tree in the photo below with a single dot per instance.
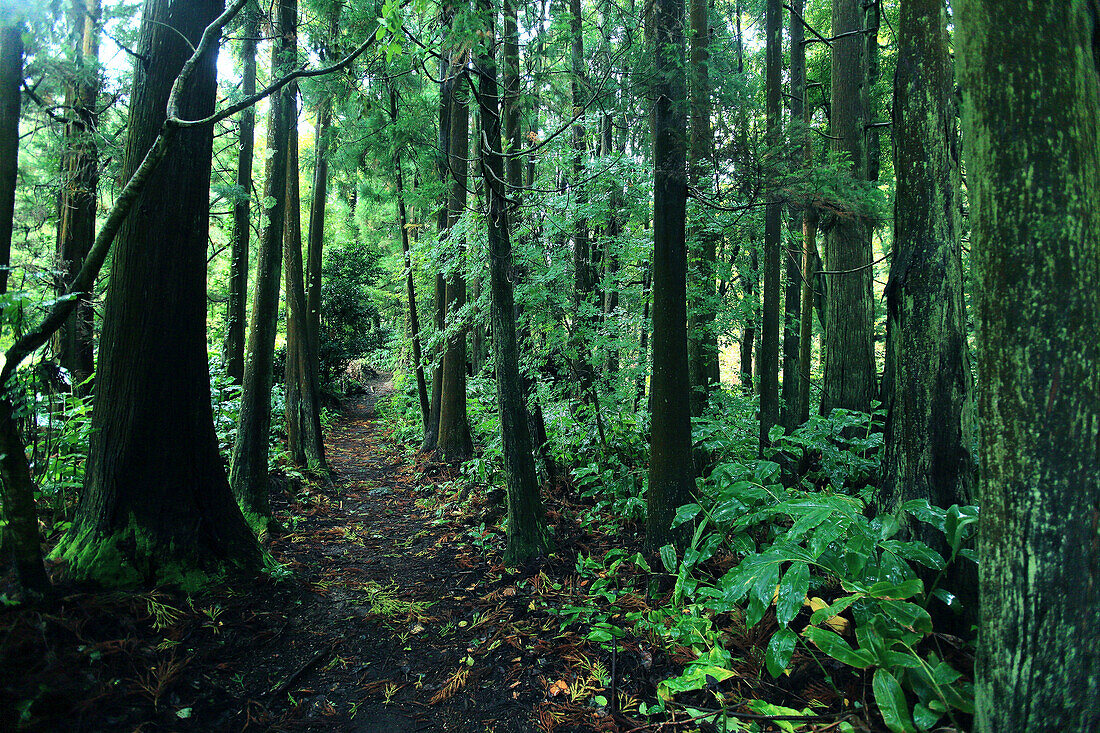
702 337
671 470
526 535
242 207
453 440
927 390
773 215
76 206
248 468
584 278
156 504
11 79
849 309
1032 133
799 308
303 410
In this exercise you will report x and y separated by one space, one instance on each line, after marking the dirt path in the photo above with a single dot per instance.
397 618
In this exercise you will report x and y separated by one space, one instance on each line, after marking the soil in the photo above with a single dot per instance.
397 618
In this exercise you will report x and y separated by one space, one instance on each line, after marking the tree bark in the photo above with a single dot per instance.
1031 75
849 311
303 410
242 207
526 535
156 505
248 470
702 338
11 79
316 244
791 414
454 442
927 391
76 204
671 469
773 220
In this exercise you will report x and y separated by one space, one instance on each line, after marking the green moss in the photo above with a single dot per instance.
257 522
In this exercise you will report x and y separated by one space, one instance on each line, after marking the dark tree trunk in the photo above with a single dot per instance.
315 247
76 206
410 288
156 505
238 267
773 221
927 391
526 536
794 381
454 441
671 470
849 309
11 78
303 410
702 338
806 326
1031 72
248 471
749 277
20 512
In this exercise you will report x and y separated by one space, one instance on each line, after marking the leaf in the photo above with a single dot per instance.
909 615
896 591
780 650
891 702
792 591
686 513
832 644
830 611
668 558
915 551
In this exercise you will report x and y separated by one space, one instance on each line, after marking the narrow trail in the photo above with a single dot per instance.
396 614
396 617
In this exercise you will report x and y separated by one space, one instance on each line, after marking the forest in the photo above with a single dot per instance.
558 365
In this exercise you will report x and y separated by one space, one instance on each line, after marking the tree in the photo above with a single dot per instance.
671 470
11 79
702 337
526 535
849 309
453 440
796 375
248 468
76 204
769 352
927 391
1032 134
156 504
242 218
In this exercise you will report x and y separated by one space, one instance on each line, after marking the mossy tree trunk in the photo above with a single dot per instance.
242 207
248 470
11 79
303 410
1031 77
156 505
76 205
702 338
671 469
849 309
927 390
773 230
454 442
526 535
795 407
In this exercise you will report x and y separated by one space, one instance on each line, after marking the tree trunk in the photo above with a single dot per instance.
156 505
315 247
1031 72
526 535
702 338
791 408
248 470
748 334
242 217
303 410
671 470
773 221
454 441
584 282
20 513
77 201
849 311
806 326
11 79
927 391
410 288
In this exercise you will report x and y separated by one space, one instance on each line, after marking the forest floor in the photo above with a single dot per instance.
398 618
